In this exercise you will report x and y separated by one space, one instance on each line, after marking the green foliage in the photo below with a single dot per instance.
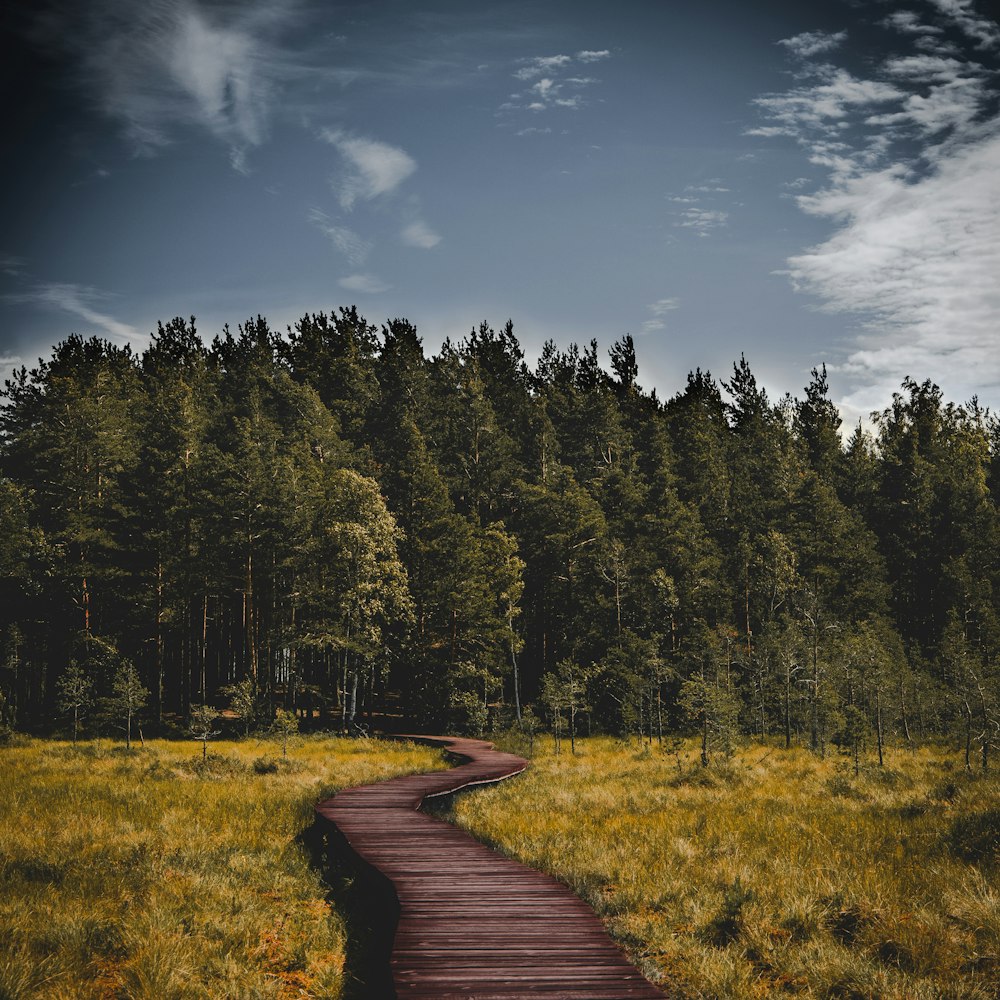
284 729
74 690
246 702
200 724
335 518
128 698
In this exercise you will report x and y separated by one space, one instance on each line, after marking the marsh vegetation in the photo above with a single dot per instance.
772 873
163 874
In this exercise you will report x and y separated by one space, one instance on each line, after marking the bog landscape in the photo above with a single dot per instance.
500 500
753 666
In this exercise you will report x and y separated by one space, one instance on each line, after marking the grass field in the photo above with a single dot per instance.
154 876
775 874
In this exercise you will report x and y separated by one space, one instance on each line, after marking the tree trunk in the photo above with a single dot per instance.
248 615
902 712
159 640
986 726
878 724
353 707
517 679
968 737
788 707
659 716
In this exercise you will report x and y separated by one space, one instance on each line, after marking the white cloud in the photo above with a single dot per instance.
540 65
658 310
215 67
926 67
80 301
811 43
952 106
920 257
162 67
984 32
365 284
703 220
419 234
913 199
345 240
374 168
533 131
552 86
824 103
663 306
908 23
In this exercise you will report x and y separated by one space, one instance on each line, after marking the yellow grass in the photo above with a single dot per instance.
145 876
777 874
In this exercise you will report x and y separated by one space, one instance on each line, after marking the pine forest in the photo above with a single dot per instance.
332 524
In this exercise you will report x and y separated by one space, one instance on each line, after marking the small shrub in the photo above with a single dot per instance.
945 791
894 953
280 765
213 765
265 765
912 810
105 938
12 738
36 870
976 837
845 920
718 774
842 787
727 924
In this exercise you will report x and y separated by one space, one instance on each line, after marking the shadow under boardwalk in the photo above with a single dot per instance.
468 922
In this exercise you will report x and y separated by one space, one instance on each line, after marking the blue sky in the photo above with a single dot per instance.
802 183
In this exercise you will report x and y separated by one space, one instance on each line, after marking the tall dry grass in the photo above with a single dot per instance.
151 876
775 874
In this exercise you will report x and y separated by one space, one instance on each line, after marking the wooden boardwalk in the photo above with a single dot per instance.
471 923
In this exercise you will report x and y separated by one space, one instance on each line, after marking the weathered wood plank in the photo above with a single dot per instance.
472 923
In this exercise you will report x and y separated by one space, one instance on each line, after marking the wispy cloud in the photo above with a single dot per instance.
912 162
365 284
12 266
555 84
962 13
539 65
811 43
345 240
373 168
908 23
698 210
703 220
657 311
163 67
81 301
419 234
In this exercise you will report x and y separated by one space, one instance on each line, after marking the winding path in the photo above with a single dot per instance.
472 923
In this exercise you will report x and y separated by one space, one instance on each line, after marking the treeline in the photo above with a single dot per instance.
331 521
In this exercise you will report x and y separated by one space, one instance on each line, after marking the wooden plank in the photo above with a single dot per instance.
471 923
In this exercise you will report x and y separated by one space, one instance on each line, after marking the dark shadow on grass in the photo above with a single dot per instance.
367 901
